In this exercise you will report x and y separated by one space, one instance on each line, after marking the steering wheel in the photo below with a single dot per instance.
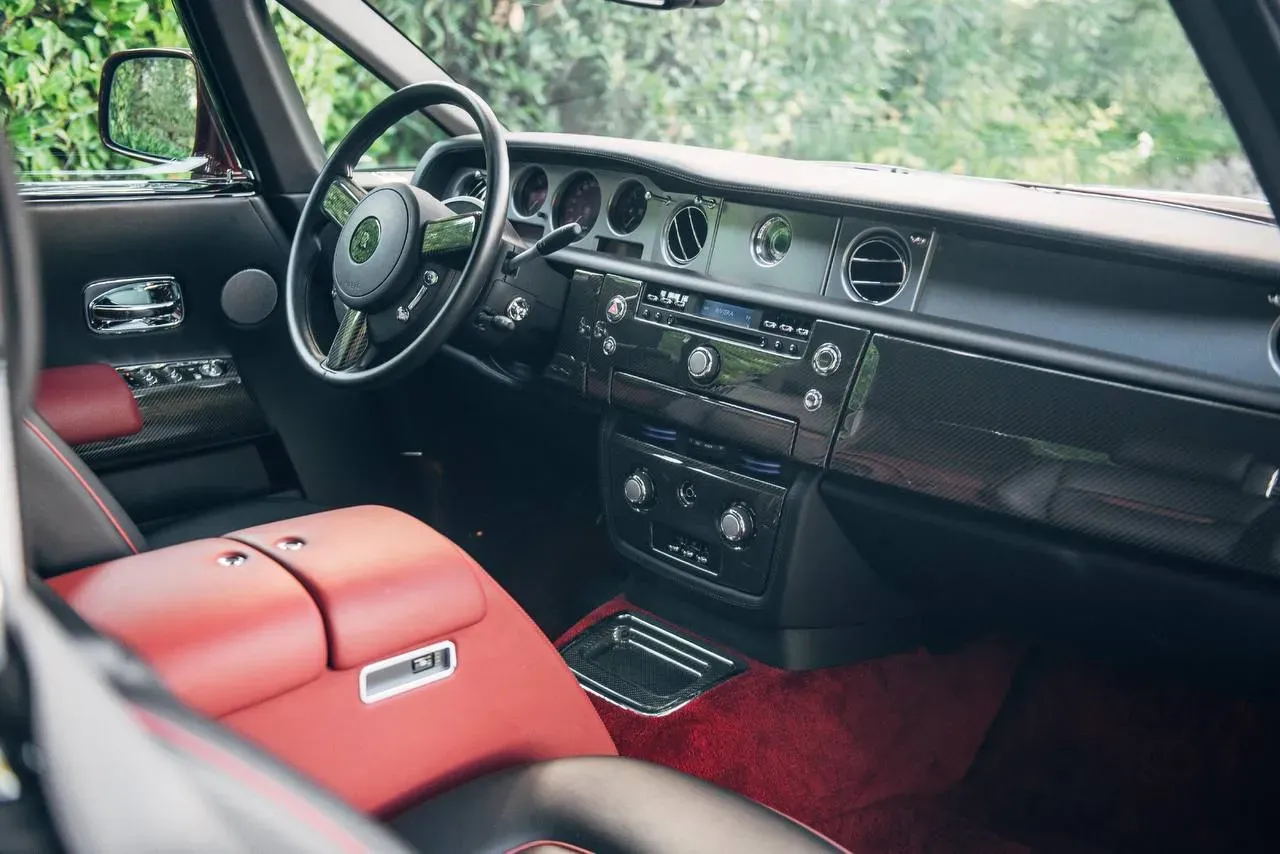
403 260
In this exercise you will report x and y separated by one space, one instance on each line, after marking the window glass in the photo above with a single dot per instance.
1049 91
338 91
51 57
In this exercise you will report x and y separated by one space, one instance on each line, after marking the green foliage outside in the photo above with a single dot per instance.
51 55
1058 91
337 91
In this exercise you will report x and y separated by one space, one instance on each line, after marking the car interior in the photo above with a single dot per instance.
577 493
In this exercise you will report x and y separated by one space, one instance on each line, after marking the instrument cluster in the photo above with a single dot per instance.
619 204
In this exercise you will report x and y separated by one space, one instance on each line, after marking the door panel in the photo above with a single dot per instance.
260 401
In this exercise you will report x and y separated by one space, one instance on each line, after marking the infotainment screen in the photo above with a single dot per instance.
727 313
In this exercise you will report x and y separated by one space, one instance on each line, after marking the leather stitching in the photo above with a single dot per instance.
83 483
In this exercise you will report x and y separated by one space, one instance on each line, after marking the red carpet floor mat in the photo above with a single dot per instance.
940 753
821 745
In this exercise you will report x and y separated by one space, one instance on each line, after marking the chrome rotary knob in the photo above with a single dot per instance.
637 489
737 525
826 360
703 363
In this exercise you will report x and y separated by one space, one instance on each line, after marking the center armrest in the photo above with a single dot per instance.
282 644
224 626
383 580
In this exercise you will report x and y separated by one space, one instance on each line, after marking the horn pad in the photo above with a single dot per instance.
377 251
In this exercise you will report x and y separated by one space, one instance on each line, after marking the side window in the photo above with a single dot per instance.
338 91
54 55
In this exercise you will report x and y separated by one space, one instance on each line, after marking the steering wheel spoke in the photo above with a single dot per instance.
341 198
451 236
351 343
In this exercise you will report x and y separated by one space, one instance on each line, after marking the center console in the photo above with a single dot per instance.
720 416
359 646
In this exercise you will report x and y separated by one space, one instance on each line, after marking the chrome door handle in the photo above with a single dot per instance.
143 304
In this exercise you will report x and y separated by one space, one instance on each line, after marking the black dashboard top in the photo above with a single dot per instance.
1165 231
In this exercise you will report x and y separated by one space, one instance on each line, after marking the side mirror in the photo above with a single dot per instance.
149 104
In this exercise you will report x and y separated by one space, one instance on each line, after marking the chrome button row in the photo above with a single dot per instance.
172 373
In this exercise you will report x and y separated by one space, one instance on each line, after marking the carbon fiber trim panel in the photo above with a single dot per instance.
191 413
1144 468
748 376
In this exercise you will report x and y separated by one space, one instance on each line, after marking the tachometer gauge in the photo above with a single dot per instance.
579 202
627 210
531 192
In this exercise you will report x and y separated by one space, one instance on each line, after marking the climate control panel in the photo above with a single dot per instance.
705 523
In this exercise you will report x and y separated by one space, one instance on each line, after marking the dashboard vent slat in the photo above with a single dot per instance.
876 269
687 234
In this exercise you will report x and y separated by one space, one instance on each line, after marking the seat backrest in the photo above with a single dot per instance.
69 517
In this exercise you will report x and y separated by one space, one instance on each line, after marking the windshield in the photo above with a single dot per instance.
1069 92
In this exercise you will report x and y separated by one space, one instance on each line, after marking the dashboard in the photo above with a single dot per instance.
1098 374
1139 302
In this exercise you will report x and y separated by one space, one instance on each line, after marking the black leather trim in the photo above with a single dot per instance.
231 517
605 804
70 519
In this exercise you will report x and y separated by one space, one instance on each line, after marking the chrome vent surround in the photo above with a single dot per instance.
687 234
876 268
474 184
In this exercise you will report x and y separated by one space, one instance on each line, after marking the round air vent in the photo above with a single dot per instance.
687 234
876 268
474 184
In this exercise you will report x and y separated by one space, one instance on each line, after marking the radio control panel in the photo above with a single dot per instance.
756 326
736 371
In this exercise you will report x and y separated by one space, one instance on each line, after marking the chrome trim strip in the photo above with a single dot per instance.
603 693
435 676
85 190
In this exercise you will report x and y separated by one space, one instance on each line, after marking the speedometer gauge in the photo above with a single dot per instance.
531 192
628 207
579 201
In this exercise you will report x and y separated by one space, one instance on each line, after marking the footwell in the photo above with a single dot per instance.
985 749
821 745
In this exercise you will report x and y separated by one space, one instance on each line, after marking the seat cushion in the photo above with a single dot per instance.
604 805
231 517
